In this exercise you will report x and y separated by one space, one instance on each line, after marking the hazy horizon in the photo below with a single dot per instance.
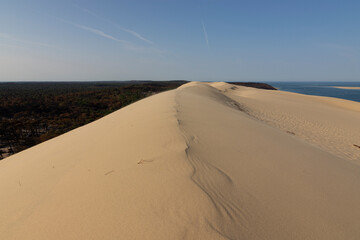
203 40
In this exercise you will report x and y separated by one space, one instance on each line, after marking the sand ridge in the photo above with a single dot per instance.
347 88
191 163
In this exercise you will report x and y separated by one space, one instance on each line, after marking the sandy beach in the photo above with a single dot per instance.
349 88
204 161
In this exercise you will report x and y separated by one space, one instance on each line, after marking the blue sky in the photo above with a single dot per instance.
204 40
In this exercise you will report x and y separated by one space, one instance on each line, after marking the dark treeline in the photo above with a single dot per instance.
255 85
33 112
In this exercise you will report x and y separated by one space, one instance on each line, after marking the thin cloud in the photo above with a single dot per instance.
9 37
132 32
205 33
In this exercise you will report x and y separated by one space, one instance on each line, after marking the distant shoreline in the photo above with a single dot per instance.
343 90
348 88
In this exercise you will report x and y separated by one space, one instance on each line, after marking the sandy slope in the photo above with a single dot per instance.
199 162
330 123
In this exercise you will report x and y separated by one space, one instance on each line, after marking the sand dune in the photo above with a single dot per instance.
330 123
205 161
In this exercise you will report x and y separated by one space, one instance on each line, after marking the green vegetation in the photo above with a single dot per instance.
33 112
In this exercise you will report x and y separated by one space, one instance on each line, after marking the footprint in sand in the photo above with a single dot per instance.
142 161
109 172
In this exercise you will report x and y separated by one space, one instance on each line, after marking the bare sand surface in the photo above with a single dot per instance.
205 161
330 123
349 88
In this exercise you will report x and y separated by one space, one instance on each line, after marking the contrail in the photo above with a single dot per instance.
205 33
127 44
100 33
88 11
135 34
95 31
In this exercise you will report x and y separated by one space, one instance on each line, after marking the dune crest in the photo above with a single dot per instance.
204 161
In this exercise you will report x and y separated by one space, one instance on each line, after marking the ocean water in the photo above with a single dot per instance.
321 89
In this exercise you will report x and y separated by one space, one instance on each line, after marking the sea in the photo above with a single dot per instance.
321 89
